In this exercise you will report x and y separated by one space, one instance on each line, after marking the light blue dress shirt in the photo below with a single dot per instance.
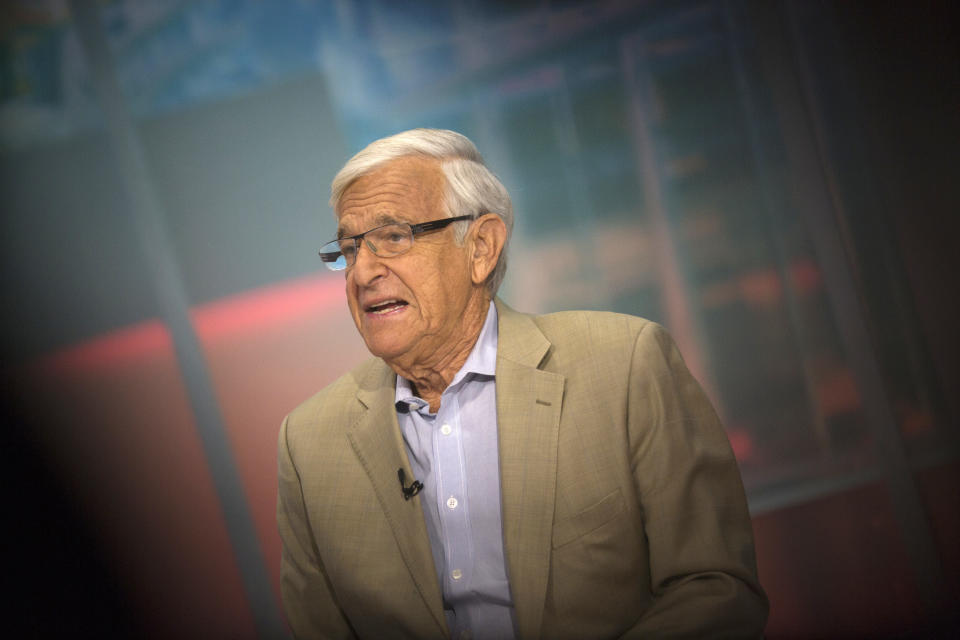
454 454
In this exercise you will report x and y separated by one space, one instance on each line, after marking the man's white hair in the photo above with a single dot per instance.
471 187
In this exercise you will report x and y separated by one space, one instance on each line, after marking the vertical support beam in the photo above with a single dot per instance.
676 296
774 217
156 248
819 204
575 183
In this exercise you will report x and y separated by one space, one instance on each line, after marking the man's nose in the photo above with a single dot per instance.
367 266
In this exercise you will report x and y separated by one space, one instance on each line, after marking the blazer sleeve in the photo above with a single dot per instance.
308 601
702 565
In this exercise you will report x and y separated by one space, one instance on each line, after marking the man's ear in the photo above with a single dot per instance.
488 234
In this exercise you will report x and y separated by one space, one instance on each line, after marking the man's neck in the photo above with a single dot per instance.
430 379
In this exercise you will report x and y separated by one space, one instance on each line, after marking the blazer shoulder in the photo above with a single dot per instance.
335 399
598 344
593 327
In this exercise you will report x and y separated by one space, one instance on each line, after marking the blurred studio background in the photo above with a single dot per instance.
776 182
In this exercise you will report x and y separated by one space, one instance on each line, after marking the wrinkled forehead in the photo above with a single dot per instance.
410 188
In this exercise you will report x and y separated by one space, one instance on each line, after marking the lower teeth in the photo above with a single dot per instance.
387 309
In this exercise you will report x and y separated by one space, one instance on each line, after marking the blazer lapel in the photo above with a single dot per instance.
378 443
528 418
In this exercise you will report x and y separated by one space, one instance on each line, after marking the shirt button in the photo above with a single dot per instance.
456 574
452 502
445 429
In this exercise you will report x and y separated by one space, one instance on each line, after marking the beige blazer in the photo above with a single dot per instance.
623 510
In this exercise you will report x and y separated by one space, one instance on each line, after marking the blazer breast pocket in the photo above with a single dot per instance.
593 517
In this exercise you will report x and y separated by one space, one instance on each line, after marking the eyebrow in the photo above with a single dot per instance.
379 221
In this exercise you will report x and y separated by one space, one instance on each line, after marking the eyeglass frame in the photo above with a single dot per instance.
415 230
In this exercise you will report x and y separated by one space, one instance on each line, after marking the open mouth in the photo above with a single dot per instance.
387 306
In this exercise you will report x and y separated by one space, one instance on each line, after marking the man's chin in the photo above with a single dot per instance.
383 348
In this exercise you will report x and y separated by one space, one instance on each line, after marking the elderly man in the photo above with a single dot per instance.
492 474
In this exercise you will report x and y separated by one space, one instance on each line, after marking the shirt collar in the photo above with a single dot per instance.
481 361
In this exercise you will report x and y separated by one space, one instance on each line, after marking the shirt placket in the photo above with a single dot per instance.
452 500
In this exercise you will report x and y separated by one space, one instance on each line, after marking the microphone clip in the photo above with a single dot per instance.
412 490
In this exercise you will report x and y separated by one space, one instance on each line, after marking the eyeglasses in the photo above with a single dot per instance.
385 241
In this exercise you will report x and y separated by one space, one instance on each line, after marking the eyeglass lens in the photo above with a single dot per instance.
386 241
